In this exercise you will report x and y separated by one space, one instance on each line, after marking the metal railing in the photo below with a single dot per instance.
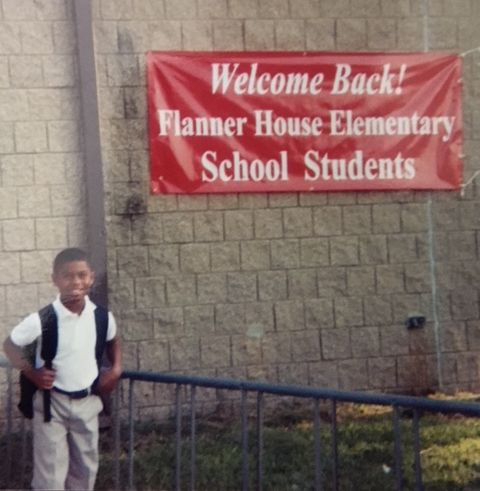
416 406
399 403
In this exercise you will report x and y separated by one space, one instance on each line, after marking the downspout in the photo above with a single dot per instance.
431 236
95 192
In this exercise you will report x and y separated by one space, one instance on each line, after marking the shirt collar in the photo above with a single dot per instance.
62 311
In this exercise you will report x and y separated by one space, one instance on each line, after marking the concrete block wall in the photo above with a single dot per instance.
292 287
41 164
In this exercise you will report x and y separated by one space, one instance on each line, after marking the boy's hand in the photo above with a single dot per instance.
107 381
43 378
109 377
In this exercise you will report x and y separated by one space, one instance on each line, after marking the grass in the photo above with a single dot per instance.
450 454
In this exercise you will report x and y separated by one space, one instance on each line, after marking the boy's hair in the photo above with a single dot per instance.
69 255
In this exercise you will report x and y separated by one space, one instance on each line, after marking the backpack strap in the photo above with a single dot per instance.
101 324
49 322
49 342
48 350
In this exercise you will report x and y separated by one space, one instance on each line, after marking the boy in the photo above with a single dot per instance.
65 449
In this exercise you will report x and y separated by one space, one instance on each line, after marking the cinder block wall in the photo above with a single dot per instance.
41 164
292 288
295 288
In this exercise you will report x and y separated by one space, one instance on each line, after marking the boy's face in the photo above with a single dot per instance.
73 280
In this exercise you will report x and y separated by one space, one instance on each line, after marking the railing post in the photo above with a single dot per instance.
9 423
116 437
193 454
318 447
131 436
416 449
397 449
334 446
178 437
244 441
24 446
260 441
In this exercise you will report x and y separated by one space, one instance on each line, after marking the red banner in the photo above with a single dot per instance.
258 122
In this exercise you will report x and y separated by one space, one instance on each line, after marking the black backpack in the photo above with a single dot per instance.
49 340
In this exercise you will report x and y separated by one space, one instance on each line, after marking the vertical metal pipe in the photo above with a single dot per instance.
318 447
178 437
334 446
260 414
97 243
416 450
193 454
116 437
131 437
244 441
437 328
397 449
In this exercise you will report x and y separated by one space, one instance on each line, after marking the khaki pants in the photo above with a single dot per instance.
65 450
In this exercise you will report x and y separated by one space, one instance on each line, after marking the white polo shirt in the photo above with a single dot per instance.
75 363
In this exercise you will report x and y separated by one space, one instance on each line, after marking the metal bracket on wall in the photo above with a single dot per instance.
416 322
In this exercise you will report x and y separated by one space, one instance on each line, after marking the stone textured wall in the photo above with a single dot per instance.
41 164
292 288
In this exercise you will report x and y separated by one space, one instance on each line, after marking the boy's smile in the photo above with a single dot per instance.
74 280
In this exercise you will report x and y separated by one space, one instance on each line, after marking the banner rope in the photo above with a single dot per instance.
470 51
431 232
477 172
470 181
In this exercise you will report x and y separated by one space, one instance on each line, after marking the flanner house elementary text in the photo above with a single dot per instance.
340 123
351 122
